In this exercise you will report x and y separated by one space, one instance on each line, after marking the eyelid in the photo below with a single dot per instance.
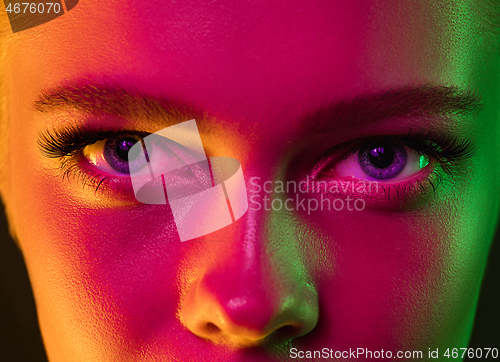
450 152
446 155
70 140
350 166
160 152
68 146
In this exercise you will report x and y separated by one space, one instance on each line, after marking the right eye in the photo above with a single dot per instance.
112 155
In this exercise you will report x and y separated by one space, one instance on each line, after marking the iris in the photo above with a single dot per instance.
382 160
116 153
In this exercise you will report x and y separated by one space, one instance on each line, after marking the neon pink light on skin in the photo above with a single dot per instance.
111 279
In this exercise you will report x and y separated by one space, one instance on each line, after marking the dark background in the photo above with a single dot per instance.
20 339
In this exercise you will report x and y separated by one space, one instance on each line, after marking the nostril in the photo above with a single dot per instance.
211 329
289 331
285 333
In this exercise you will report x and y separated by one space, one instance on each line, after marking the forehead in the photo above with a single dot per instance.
254 60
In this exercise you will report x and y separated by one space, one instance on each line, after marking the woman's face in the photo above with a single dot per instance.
296 91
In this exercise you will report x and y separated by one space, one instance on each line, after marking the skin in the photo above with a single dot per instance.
110 278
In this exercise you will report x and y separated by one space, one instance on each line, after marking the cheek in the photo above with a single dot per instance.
112 269
394 273
133 257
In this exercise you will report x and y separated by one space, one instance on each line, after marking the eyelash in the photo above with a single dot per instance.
449 153
67 144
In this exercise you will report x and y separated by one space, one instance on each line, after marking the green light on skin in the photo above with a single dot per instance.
423 161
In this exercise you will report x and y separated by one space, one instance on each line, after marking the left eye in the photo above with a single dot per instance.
381 161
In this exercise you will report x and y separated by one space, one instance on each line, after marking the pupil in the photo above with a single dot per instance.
124 146
381 157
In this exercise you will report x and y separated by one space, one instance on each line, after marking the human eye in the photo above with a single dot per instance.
113 156
382 160
404 168
117 155
104 160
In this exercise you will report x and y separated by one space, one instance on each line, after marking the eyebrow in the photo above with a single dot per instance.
101 99
426 100
405 102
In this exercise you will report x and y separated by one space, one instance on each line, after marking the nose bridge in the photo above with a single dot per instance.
258 264
251 278
250 251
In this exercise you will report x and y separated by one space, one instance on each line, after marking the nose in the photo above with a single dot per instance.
251 297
